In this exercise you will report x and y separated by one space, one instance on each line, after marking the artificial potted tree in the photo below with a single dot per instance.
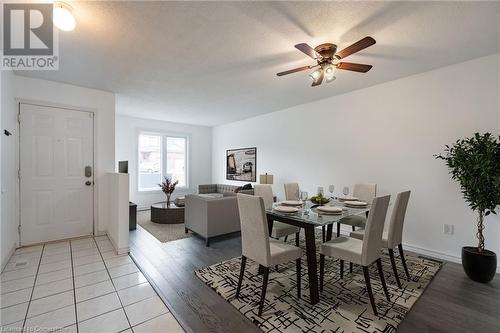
475 163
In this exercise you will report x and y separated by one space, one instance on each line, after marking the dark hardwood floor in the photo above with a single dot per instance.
452 303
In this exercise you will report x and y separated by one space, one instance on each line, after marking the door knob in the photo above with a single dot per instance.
88 183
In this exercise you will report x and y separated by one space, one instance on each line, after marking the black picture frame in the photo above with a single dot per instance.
241 164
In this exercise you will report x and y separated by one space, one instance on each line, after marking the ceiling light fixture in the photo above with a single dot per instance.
63 16
330 73
316 74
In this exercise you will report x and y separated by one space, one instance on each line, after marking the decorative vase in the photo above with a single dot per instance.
168 198
479 266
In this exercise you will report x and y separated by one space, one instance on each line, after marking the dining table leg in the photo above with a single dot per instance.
312 264
270 222
329 231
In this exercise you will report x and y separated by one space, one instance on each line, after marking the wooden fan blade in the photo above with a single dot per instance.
350 66
318 81
303 68
305 48
356 47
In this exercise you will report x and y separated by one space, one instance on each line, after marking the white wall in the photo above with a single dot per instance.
116 187
60 94
386 134
8 165
199 161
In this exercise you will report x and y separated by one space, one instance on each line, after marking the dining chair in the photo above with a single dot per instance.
292 191
393 237
279 229
362 252
259 247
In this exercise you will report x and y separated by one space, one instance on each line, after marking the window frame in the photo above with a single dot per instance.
163 159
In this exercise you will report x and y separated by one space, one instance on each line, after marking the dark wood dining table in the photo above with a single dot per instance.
308 218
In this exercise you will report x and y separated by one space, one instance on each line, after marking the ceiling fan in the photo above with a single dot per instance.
328 60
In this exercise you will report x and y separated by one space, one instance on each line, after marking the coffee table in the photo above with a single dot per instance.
167 214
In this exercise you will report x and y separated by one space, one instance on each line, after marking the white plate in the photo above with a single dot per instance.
347 198
286 209
330 209
291 203
355 203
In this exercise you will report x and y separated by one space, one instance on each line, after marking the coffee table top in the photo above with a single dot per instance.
163 205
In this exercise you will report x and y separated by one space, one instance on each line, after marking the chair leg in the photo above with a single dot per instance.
276 268
382 279
321 271
338 229
242 272
207 242
264 289
402 255
185 230
353 228
286 238
350 267
323 235
394 268
341 269
298 269
297 238
369 289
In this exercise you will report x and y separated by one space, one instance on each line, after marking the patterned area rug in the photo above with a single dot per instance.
344 304
162 232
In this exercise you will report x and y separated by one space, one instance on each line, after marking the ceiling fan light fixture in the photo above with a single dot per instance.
63 16
316 74
330 73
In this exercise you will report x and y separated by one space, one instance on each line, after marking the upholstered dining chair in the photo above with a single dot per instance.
279 229
393 237
366 193
257 246
292 191
362 252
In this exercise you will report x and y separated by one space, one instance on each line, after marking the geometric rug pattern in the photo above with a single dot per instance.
344 304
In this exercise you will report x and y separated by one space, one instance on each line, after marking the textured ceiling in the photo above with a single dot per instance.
215 62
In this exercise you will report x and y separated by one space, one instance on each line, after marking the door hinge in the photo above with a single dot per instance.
19 229
19 173
19 118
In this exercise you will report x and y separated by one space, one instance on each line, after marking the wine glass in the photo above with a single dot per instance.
320 190
346 190
331 188
303 197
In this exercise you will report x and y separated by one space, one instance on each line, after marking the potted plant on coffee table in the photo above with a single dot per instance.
168 187
475 163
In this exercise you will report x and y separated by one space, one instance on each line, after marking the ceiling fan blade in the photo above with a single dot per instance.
350 66
356 47
303 68
305 48
318 81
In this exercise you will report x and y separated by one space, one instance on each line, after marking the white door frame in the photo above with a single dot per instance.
20 101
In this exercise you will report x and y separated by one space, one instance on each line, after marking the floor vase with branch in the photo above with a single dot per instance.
168 187
475 163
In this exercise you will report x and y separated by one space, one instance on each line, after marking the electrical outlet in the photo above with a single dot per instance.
448 229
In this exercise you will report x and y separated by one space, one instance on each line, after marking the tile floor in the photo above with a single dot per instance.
79 286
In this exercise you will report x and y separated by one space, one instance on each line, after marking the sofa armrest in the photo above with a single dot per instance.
195 214
223 216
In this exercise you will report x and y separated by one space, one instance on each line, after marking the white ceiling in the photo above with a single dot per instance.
215 62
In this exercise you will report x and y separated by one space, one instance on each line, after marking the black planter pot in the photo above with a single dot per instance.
479 266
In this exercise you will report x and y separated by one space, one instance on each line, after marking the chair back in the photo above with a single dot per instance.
266 193
254 229
292 191
372 240
395 232
365 192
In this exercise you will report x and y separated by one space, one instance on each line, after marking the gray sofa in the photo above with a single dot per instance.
221 188
211 215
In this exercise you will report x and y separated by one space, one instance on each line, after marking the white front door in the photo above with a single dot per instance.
56 152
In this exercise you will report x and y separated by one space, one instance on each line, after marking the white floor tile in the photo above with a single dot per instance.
84 253
30 249
9 286
136 293
145 310
50 303
118 261
94 290
50 258
89 268
92 278
13 327
56 250
52 320
52 288
54 276
19 262
97 306
161 324
123 270
111 254
110 322
129 280
69 329
15 297
87 260
18 274
54 266
13 313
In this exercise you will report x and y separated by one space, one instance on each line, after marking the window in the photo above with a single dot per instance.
159 156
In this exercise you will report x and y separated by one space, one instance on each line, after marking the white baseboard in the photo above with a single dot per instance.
123 250
7 258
